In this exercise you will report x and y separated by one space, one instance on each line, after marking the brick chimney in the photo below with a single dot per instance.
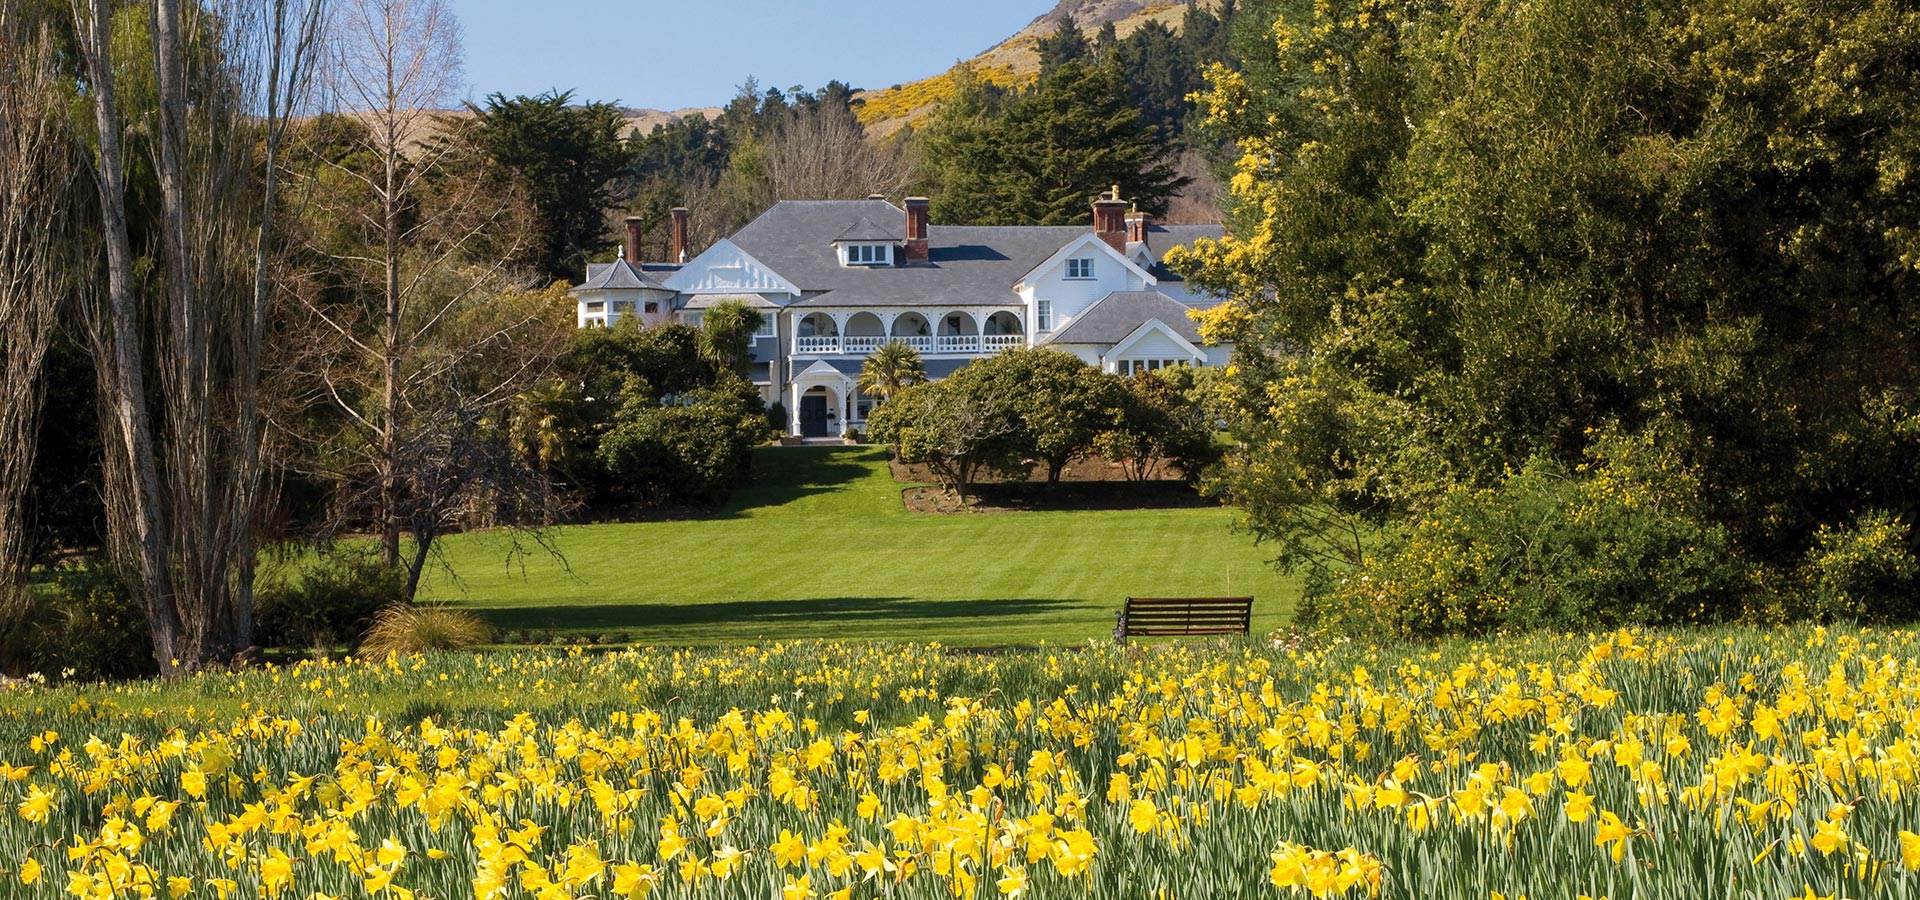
1137 225
1110 220
917 229
677 253
633 239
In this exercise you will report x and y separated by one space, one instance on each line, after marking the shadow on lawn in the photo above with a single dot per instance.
782 475
837 617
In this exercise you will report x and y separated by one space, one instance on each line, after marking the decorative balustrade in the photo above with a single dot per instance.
862 345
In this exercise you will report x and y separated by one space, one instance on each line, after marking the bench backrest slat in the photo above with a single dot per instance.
1152 616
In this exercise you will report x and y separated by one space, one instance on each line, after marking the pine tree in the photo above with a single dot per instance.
1067 44
1064 140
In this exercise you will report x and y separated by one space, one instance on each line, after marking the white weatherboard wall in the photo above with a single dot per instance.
1156 345
1072 296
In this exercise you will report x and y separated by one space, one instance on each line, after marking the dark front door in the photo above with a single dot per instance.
813 416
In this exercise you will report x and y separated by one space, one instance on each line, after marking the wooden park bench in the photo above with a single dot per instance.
1183 617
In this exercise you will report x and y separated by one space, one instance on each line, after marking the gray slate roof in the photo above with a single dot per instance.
869 231
1120 313
967 266
618 276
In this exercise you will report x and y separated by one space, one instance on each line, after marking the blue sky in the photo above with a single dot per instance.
668 55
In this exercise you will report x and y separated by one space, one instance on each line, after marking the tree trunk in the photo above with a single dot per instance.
135 524
422 547
389 465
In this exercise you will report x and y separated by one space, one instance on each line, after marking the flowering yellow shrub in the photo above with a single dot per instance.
923 95
1626 765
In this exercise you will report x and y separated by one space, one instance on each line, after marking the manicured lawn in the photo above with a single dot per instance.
820 546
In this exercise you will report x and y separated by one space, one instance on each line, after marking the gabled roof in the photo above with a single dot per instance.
1118 315
1075 246
727 268
1155 326
618 276
868 231
966 266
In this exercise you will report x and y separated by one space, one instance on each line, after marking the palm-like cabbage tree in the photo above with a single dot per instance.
893 366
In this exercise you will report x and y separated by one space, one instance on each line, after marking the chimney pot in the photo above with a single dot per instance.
632 250
678 252
1110 220
917 215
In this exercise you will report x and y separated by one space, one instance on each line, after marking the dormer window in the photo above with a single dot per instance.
1080 269
866 254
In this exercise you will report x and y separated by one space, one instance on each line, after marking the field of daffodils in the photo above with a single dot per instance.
1723 764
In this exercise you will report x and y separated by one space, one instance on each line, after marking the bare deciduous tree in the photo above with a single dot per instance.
37 169
421 338
184 487
394 63
824 153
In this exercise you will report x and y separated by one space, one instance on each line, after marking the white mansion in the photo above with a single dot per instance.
837 278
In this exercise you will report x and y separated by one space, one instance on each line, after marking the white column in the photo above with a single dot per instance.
846 408
793 409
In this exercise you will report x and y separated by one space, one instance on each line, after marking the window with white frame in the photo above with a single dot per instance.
1043 315
653 307
1080 268
1134 366
766 325
869 254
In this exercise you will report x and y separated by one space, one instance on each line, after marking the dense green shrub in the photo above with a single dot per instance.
328 601
1866 572
1616 541
1157 422
959 428
693 451
81 623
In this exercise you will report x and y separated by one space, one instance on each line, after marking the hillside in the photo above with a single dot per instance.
1014 61
639 122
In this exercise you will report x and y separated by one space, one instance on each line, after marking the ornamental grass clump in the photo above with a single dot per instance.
404 629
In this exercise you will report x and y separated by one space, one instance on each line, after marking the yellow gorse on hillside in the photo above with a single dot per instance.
1624 765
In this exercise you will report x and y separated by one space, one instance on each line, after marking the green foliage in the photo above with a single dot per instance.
1067 44
1865 571
959 427
1062 404
726 336
693 451
892 366
329 600
82 623
1619 540
566 158
406 628
1464 242
1155 421
660 416
1069 137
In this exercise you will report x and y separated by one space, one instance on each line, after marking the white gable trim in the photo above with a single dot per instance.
1074 247
726 269
1148 327
821 370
